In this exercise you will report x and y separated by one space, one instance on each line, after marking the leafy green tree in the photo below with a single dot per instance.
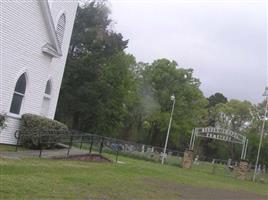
253 132
159 81
105 91
234 115
217 98
98 75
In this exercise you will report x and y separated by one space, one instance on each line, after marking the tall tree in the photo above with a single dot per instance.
97 76
159 81
215 99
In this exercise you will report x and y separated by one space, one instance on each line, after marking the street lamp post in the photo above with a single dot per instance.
169 125
262 133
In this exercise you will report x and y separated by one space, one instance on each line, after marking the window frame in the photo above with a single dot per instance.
22 95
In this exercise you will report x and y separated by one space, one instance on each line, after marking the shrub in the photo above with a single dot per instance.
34 127
2 121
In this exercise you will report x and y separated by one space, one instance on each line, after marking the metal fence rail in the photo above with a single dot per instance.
82 140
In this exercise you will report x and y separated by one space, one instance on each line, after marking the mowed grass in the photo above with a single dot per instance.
7 148
35 178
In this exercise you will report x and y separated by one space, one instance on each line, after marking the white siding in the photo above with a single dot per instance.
23 34
7 134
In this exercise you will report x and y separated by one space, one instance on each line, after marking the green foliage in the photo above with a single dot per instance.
253 132
216 99
158 81
2 121
236 113
241 117
34 127
106 92
97 78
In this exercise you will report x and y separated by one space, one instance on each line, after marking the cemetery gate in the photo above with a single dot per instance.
220 134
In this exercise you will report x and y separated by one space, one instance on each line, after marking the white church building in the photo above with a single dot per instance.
34 42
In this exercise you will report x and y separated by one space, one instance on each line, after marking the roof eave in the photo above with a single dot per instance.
48 49
53 48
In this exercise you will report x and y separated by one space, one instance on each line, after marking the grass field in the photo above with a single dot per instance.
35 178
7 148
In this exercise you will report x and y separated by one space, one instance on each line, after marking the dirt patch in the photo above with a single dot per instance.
192 192
86 157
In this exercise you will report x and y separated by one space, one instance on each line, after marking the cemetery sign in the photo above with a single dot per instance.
220 134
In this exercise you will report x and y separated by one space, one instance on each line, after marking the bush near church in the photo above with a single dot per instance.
34 127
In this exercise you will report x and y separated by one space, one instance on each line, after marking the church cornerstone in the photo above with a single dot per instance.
187 159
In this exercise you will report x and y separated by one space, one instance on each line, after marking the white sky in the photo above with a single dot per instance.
224 41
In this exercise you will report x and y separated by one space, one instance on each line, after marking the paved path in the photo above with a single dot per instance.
45 153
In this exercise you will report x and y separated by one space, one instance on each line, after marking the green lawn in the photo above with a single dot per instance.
59 179
7 148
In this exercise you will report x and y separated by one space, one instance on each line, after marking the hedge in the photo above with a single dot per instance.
34 127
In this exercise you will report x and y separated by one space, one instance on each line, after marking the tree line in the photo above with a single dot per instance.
107 92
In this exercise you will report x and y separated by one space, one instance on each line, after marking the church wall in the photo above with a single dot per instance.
23 34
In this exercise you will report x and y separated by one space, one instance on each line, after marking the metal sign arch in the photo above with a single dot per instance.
220 134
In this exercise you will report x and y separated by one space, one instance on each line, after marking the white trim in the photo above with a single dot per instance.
15 92
47 96
47 48
22 71
52 49
50 2
13 115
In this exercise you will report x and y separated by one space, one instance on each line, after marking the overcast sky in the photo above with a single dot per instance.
223 41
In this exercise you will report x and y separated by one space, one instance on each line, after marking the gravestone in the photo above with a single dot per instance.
229 162
259 169
142 148
187 159
196 160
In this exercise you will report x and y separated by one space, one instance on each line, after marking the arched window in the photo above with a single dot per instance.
60 29
46 99
18 95
48 88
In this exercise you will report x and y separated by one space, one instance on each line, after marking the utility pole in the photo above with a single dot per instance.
169 125
262 133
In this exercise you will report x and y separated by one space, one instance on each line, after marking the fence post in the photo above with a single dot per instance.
91 143
70 145
81 143
213 168
101 145
40 145
117 152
